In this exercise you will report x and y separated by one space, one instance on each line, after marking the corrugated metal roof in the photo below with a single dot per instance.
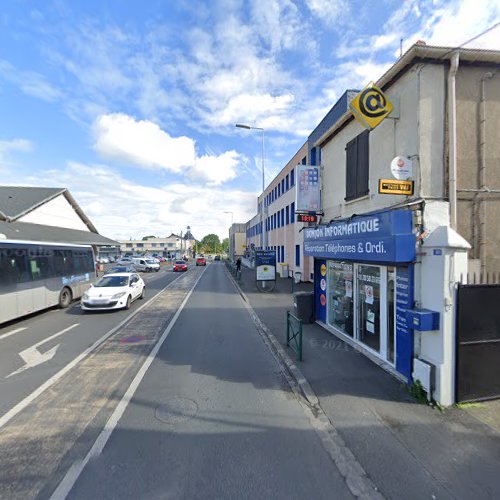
50 234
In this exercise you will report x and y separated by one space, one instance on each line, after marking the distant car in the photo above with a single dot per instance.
145 264
200 261
113 291
180 265
125 261
121 269
217 257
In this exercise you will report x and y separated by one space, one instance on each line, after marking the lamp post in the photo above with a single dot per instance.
262 221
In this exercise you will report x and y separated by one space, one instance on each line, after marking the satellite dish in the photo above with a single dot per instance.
402 168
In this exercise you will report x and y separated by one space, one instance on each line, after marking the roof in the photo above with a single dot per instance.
418 53
50 234
17 201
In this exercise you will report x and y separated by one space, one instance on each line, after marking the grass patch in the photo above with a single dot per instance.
464 406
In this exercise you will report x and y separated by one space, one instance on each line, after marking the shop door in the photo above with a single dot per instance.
371 300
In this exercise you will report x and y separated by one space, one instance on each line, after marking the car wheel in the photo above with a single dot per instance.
129 301
65 298
141 296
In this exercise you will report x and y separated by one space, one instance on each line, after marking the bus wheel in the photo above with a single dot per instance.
65 298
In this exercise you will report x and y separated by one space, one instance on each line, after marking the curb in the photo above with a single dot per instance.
355 477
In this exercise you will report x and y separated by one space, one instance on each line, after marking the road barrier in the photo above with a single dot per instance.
294 334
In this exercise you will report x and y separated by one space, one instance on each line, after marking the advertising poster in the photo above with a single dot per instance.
265 265
308 189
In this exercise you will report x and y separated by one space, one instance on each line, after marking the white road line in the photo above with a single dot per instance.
17 330
54 336
4 419
77 467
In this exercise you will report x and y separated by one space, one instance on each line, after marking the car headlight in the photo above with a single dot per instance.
118 295
85 296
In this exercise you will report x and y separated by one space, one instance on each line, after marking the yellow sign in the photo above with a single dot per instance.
370 106
323 270
390 186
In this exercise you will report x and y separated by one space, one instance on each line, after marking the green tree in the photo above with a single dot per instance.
225 245
148 238
210 243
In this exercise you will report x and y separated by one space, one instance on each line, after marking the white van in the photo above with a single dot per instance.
144 264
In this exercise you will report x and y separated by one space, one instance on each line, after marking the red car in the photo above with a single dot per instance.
180 265
200 261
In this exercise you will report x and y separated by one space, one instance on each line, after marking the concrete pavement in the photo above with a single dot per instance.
409 450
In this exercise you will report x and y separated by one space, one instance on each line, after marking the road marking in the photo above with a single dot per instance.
17 330
33 357
77 467
6 417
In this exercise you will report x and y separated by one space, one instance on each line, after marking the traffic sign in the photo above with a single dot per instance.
390 186
370 106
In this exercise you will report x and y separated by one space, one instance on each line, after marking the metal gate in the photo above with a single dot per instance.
478 342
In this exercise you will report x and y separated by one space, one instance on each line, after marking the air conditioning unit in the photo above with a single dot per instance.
424 373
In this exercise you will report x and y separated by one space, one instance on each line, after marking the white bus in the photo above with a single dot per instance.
37 275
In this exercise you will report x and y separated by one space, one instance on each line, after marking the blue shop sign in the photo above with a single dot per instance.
265 258
381 237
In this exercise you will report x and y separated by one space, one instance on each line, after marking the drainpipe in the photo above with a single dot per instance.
452 130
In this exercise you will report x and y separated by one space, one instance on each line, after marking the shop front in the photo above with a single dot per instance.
364 282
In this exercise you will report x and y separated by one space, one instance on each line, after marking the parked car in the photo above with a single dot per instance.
121 269
125 261
145 265
113 291
200 261
180 265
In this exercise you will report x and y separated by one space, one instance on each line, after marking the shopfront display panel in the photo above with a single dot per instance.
341 296
368 296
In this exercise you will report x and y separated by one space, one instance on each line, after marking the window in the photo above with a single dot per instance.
287 215
292 213
282 253
357 167
287 182
279 220
274 221
279 190
297 255
282 186
282 216
140 245
292 177
128 245
304 160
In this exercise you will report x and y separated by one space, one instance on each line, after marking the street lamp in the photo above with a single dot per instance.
264 234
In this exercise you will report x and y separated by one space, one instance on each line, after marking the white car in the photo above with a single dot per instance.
113 291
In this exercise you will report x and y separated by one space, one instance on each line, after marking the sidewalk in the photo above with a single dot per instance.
408 449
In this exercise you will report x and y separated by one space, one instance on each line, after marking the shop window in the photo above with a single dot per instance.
357 163
340 296
368 285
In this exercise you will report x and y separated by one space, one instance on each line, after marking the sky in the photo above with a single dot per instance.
132 104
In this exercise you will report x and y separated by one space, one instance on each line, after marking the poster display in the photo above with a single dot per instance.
308 189
265 265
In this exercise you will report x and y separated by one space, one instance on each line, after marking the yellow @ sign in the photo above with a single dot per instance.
370 106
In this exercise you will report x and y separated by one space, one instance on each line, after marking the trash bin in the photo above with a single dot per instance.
304 306
284 270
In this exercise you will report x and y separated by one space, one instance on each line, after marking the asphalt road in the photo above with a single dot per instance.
184 401
82 330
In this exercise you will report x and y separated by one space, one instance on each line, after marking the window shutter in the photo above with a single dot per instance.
363 164
350 174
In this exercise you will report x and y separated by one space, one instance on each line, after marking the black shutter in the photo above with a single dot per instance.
351 166
363 164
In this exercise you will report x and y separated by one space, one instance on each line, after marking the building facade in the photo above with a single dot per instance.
387 266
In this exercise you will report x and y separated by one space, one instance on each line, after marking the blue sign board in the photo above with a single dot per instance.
380 237
404 334
265 265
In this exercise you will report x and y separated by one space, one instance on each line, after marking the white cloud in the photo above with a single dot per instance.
142 143
216 169
121 208
329 11
15 145
30 82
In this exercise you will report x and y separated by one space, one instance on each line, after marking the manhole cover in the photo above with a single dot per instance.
133 339
176 410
